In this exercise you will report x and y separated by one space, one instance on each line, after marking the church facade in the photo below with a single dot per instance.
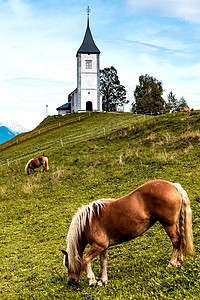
86 97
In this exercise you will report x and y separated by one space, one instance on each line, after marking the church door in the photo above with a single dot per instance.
89 106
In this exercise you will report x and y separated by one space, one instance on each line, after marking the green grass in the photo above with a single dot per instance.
36 210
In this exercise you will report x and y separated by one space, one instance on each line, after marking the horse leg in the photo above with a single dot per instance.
90 275
173 233
103 262
180 255
92 253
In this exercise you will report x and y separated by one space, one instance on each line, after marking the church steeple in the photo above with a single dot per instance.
88 45
87 95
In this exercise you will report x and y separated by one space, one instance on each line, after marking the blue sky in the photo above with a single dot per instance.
39 41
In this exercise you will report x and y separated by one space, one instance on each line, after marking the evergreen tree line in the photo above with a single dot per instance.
148 94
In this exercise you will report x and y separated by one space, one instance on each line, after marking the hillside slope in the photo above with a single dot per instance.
93 156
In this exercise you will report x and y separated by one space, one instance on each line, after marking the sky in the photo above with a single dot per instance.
39 41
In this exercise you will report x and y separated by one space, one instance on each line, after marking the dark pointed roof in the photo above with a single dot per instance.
88 45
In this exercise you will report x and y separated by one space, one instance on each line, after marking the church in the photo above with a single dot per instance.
87 96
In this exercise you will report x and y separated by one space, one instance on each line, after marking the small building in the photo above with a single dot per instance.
64 109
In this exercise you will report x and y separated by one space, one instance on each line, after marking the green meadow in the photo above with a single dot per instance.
94 156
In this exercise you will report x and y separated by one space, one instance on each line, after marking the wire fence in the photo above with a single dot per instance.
41 130
65 139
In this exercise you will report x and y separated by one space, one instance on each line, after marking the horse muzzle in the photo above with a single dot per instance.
72 281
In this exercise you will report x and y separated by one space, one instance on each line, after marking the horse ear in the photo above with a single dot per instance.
65 253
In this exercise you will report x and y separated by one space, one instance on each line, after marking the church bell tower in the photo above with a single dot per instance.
88 74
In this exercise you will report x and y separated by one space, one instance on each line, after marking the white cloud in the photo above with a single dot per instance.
188 10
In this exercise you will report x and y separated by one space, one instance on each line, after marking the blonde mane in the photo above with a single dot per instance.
26 168
77 227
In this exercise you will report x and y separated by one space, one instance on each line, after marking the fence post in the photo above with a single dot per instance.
61 143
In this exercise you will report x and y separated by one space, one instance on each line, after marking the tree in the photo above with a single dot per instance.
172 101
148 95
182 103
114 93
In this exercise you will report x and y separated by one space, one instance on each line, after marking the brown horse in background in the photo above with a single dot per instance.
36 163
105 223
186 109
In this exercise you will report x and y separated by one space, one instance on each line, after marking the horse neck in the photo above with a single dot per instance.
75 248
76 236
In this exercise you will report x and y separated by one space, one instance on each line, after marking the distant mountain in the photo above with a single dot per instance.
8 130
16 128
6 134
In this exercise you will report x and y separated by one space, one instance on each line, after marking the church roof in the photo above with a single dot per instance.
88 45
64 106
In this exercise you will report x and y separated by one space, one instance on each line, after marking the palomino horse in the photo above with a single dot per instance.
105 223
36 163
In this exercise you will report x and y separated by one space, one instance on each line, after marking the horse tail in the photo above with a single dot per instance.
185 222
26 168
46 164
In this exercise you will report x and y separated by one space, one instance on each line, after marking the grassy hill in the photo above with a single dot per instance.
93 156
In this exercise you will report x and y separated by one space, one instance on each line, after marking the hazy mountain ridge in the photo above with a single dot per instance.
16 128
5 134
9 129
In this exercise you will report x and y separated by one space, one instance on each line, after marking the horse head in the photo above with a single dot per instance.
74 272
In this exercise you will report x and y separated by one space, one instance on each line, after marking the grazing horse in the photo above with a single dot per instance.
186 109
108 222
36 163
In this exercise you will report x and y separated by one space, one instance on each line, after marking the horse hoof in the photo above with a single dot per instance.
93 283
178 264
102 283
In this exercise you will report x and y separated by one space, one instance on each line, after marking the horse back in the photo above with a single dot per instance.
131 215
158 198
34 163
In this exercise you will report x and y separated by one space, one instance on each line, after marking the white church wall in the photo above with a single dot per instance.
89 81
85 97
85 67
